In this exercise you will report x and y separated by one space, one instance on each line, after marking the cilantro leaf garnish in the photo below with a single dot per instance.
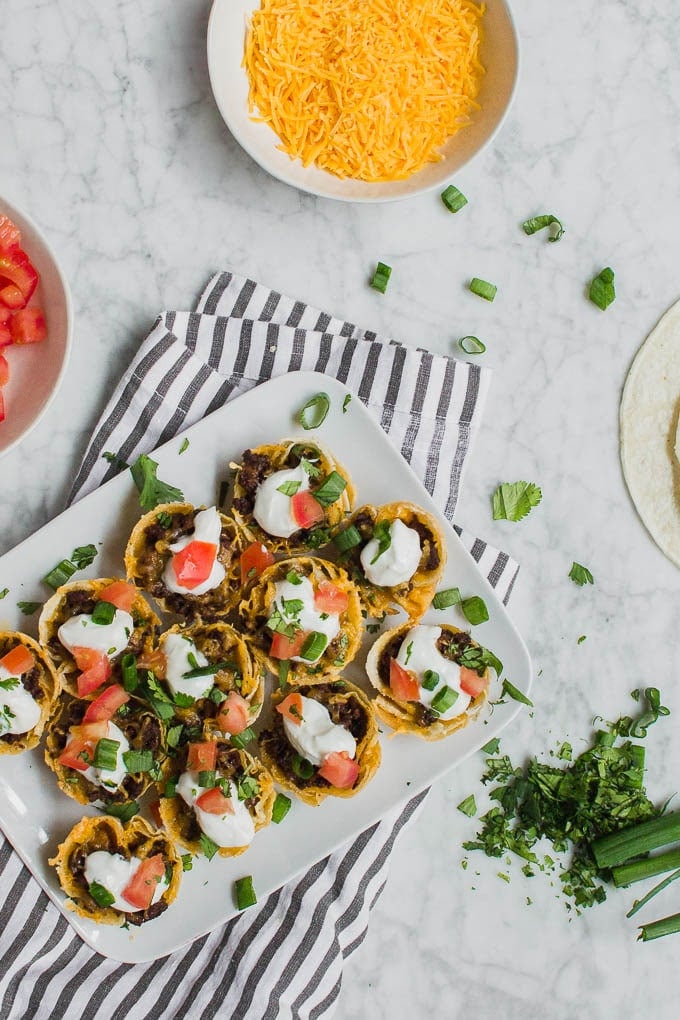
152 490
580 575
512 501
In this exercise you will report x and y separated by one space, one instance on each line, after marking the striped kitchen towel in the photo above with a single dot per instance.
283 957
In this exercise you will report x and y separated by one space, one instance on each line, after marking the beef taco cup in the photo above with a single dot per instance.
323 741
118 874
431 681
215 797
87 627
304 612
106 751
290 495
29 687
395 553
187 558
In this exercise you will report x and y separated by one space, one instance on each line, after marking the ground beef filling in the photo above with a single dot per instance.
254 469
344 710
107 842
449 645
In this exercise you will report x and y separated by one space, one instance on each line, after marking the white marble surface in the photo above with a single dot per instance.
112 143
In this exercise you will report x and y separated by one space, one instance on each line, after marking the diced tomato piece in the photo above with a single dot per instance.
121 594
284 647
95 666
471 682
403 683
10 235
4 370
340 770
5 332
16 267
28 326
193 564
291 708
306 509
233 714
254 560
106 705
141 887
2 407
154 811
154 660
11 297
329 598
18 660
201 757
215 803
91 731
71 755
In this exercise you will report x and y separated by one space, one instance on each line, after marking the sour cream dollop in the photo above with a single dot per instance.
273 510
398 563
177 650
226 830
109 779
317 735
419 653
286 600
19 711
114 873
207 528
111 638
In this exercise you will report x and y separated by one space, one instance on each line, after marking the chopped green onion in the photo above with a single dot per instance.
165 520
103 613
474 609
184 446
472 345
540 222
468 806
187 862
602 291
152 490
207 778
208 847
346 402
282 806
210 669
453 199
515 694
245 893
580 575
101 895
444 699
83 555
483 289
124 812
60 574
29 608
284 670
128 665
170 790
244 737
430 679
447 597
247 787
491 746
619 847
106 754
302 768
381 277
656 929
313 646
347 539
138 761
314 411
652 893
288 488
4 592
331 489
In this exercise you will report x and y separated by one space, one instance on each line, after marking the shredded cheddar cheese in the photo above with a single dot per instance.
366 89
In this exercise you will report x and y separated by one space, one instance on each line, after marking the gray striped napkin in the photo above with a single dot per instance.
283 957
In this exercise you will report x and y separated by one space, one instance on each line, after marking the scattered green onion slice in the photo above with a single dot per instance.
170 790
106 754
472 345
530 226
447 597
187 862
100 894
653 892
184 446
619 847
314 412
347 539
4 592
245 893
468 806
302 768
453 199
430 679
60 574
138 761
330 489
483 289
381 277
444 699
288 488
602 291
474 609
103 613
656 929
210 669
128 665
515 694
346 402
207 778
244 737
282 806
313 646
284 670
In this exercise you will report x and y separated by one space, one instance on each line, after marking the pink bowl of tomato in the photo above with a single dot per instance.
36 323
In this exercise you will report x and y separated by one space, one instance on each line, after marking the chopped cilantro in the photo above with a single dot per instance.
152 490
580 575
512 501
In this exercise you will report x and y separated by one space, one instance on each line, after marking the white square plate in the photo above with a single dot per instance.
36 816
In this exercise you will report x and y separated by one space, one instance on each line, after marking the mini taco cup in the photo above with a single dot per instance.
236 766
260 463
148 553
36 680
81 597
137 839
348 707
238 674
414 716
277 637
414 595
143 731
